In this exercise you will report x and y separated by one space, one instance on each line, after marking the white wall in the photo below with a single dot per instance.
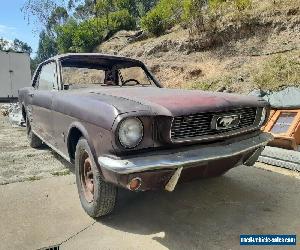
14 73
5 84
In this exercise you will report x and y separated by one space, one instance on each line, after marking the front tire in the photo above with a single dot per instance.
34 141
97 197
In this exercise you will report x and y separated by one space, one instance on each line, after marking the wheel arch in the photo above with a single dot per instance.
75 132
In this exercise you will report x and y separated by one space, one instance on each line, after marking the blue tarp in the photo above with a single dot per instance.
288 98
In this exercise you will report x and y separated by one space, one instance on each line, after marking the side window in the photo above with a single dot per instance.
48 77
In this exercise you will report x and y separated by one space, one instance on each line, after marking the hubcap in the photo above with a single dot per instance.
87 177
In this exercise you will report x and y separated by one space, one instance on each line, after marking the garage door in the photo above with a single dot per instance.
20 72
5 82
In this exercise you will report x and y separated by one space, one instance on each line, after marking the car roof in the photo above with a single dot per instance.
63 57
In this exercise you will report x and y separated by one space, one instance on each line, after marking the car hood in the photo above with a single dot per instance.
172 102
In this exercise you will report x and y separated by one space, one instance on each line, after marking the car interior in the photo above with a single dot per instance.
80 73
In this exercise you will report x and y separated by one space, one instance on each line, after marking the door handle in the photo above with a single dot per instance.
31 94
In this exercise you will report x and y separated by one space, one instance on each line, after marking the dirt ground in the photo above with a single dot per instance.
19 162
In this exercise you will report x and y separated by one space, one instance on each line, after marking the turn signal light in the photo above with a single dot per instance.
135 184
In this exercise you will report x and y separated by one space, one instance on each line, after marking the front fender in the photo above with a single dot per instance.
79 126
98 139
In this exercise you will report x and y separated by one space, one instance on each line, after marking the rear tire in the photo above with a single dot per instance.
34 141
97 197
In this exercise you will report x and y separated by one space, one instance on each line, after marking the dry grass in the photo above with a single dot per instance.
243 58
278 71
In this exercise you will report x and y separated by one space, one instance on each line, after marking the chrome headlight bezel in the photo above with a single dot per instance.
263 116
123 130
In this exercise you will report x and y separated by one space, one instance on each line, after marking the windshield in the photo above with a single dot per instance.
95 75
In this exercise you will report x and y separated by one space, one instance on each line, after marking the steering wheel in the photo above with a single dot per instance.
131 80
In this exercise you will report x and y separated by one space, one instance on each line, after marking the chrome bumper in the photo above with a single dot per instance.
181 159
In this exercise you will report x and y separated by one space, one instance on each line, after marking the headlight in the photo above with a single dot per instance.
263 116
130 132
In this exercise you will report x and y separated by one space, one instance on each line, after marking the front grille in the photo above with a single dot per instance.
199 125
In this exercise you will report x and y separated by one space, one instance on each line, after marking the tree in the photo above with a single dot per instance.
104 7
59 16
20 46
17 46
47 47
72 4
84 11
143 6
39 10
65 36
3 44
129 5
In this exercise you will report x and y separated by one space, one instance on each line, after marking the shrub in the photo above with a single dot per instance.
278 71
154 23
163 16
215 4
85 36
242 4
238 4
193 14
121 20
65 36
201 85
204 15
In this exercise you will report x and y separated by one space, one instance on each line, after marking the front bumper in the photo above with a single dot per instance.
174 159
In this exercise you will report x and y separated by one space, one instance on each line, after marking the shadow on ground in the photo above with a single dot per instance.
209 214
63 161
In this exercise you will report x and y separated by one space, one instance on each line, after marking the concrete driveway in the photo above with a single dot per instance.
204 214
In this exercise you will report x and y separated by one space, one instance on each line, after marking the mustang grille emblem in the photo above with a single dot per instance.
188 120
226 122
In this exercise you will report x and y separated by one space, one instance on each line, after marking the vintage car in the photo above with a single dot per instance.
112 119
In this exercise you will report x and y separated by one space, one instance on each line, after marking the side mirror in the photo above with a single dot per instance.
66 86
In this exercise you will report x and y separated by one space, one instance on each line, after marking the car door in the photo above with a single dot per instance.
41 101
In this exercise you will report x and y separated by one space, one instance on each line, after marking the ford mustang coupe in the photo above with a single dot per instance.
112 119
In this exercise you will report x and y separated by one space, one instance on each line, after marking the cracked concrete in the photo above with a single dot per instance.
76 234
205 214
40 213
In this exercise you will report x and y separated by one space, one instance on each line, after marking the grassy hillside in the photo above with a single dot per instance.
238 50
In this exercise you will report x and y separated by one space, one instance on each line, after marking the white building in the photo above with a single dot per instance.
14 73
